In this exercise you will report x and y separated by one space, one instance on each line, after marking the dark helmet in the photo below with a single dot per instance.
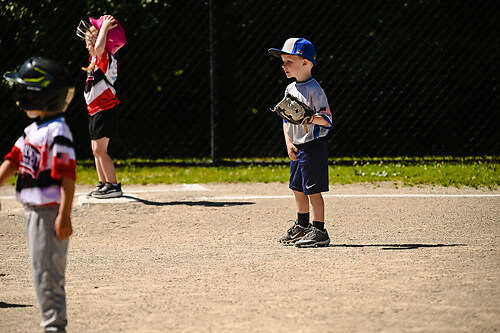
43 85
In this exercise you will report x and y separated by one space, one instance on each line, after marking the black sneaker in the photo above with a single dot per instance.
109 191
97 189
313 238
293 234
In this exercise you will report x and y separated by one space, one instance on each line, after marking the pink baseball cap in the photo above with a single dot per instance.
116 36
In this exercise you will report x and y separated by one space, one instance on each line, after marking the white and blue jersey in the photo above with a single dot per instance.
310 93
309 173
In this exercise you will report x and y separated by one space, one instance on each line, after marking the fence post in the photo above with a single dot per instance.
213 87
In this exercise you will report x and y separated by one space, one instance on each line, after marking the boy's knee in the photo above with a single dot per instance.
316 198
98 151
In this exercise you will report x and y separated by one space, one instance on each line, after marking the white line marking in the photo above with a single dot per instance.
181 188
185 187
198 187
355 196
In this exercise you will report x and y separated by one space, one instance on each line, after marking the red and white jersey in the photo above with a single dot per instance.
42 156
99 91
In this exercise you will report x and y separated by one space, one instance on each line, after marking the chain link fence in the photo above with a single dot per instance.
403 78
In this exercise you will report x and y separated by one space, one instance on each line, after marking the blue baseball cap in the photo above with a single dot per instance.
296 46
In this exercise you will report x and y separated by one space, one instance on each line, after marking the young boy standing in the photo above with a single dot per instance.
306 145
45 161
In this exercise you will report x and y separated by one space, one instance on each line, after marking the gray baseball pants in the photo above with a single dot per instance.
48 261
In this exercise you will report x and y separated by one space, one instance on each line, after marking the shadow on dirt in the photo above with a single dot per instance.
4 305
189 203
398 246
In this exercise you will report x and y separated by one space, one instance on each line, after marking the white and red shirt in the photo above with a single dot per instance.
99 91
310 93
42 156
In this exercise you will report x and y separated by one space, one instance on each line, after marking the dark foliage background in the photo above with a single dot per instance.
404 78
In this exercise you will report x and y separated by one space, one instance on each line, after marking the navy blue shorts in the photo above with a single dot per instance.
309 174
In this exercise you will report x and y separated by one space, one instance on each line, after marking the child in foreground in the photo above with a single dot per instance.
44 159
306 145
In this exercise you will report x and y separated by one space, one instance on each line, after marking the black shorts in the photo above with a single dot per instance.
104 124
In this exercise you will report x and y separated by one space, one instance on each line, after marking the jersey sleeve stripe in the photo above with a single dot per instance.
62 140
14 156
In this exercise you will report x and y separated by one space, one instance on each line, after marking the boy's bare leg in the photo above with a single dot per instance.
317 207
104 164
298 230
317 236
302 202
98 165
100 173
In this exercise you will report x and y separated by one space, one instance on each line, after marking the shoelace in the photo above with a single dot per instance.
311 232
292 228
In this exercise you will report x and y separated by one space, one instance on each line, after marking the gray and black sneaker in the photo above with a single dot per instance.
313 238
293 234
109 191
97 189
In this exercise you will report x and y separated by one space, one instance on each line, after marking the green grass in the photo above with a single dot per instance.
452 174
443 172
437 173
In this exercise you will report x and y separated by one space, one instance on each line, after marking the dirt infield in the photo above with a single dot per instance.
205 259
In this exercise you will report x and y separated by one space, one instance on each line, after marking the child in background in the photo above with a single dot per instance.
100 95
45 161
306 145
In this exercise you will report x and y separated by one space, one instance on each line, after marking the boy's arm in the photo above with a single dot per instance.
62 225
319 120
107 24
7 170
290 148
